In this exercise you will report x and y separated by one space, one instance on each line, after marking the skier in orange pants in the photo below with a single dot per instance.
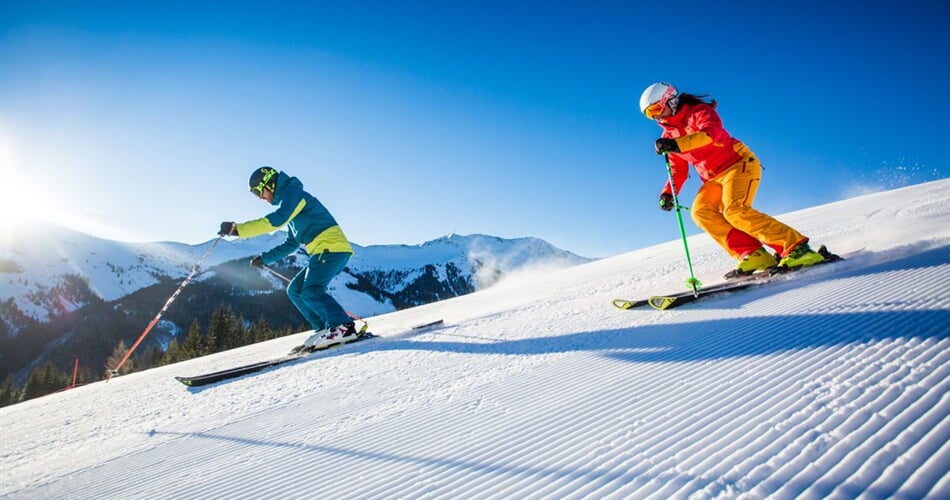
730 172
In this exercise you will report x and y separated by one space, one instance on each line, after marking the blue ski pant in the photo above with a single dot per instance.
308 290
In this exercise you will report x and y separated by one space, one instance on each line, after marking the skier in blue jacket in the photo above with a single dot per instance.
309 224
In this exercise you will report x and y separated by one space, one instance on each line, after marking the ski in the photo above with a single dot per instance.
238 371
296 354
663 302
428 325
689 295
210 378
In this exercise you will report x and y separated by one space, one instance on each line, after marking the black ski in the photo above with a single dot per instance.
238 371
210 378
662 302
428 325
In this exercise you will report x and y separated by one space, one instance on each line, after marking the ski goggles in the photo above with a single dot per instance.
265 183
654 110
258 190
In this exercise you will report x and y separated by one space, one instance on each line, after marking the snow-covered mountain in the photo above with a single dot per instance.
834 383
43 268
462 263
38 258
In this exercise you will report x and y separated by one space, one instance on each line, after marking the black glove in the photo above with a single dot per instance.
228 228
257 262
664 145
666 202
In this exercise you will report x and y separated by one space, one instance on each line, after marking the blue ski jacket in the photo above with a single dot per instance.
309 223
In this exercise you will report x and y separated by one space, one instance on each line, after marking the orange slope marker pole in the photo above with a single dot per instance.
115 371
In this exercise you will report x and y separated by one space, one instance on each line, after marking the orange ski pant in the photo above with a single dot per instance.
723 208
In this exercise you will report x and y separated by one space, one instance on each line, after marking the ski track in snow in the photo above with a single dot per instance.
834 383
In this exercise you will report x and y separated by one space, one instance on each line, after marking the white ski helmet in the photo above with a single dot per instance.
661 93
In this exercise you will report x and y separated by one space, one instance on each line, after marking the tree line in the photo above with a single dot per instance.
225 330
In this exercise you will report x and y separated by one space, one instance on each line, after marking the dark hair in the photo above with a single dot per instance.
691 99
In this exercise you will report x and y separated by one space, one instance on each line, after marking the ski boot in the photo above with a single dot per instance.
319 337
346 330
759 260
801 255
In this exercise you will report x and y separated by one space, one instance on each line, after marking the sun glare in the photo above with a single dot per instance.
15 202
26 202
20 204
27 199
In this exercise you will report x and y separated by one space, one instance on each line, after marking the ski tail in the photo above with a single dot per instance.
430 324
629 304
211 378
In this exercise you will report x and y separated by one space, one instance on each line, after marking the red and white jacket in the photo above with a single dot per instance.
702 142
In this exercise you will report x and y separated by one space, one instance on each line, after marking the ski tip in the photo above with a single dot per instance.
661 303
429 324
184 380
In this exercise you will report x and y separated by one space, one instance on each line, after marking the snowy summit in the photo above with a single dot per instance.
832 383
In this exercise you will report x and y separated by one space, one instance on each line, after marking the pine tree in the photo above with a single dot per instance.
223 330
150 358
44 380
194 345
215 330
233 330
8 393
244 332
85 376
173 353
117 354
257 331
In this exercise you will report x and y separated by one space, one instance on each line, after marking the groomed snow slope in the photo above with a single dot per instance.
833 383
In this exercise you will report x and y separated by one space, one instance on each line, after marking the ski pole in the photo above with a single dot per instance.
115 371
281 276
692 283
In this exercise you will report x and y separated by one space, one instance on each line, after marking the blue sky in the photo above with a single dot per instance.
412 120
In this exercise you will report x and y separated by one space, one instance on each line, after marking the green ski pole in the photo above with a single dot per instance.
692 283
